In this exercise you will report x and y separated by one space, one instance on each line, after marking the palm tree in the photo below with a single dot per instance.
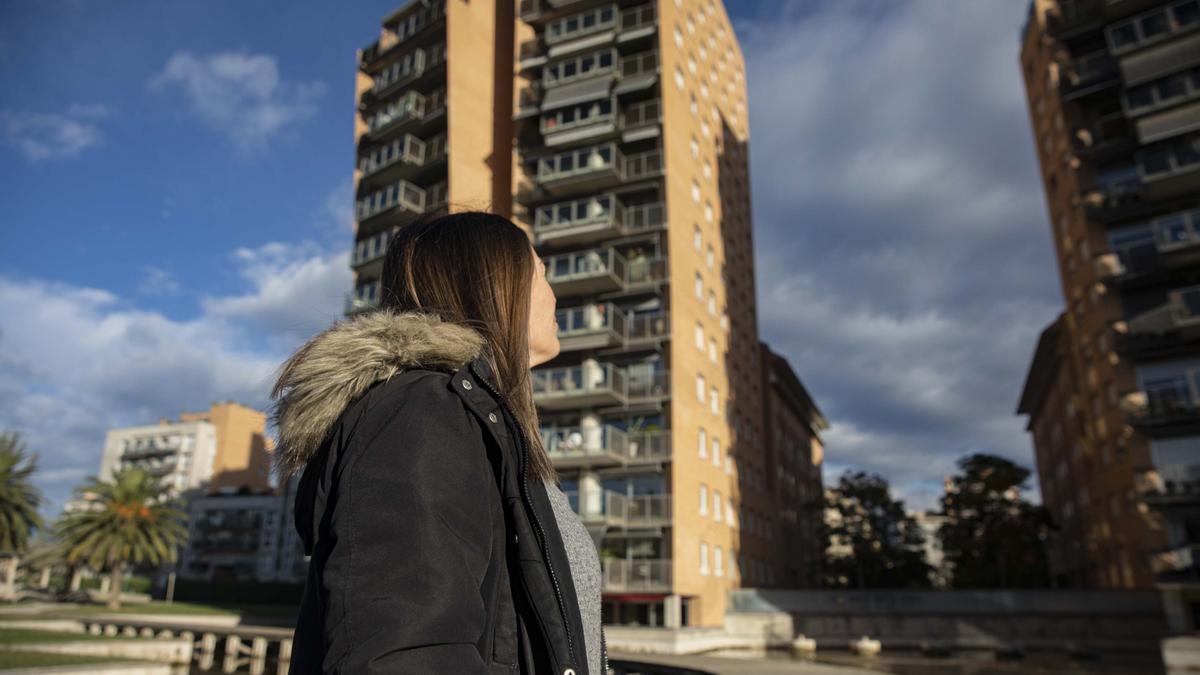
129 519
19 501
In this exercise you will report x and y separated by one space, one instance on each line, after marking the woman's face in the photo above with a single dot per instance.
543 325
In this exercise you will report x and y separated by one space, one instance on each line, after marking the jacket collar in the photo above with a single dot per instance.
339 364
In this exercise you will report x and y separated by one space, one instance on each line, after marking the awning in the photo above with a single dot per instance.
579 92
636 83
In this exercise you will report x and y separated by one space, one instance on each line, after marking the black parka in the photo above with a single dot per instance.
432 548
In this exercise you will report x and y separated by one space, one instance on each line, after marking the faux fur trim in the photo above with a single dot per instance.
337 365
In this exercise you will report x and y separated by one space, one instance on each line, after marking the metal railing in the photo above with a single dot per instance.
638 17
574 380
636 64
643 165
633 575
641 114
607 442
614 508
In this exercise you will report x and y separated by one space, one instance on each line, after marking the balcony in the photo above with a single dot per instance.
404 72
401 32
605 446
1149 252
1170 330
1088 75
1070 17
402 156
586 272
1104 138
579 386
648 327
594 219
1171 168
613 509
1154 26
1169 486
1177 564
1116 195
591 327
637 72
647 575
590 169
399 197
1167 406
638 22
397 115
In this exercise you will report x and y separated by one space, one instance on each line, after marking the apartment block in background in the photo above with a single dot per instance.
1114 99
631 175
432 128
791 555
223 447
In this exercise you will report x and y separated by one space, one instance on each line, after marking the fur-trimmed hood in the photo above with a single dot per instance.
336 366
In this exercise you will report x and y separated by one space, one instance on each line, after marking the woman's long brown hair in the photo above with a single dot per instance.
475 269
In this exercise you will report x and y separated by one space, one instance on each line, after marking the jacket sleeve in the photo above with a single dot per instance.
412 538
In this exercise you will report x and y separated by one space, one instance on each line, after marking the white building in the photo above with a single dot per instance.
181 453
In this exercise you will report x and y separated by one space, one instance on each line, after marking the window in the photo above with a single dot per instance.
693 106
708 212
699 286
700 388
716 407
729 511
704 558
579 67
696 192
703 446
678 77
710 257
712 303
696 237
716 452
703 499
587 210
695 148
712 350
572 162
717 504
578 25
678 37
699 336
718 564
577 115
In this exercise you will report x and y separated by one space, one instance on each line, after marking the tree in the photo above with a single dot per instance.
19 501
992 537
870 541
129 519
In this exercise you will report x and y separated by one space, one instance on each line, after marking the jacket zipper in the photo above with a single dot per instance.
603 650
562 606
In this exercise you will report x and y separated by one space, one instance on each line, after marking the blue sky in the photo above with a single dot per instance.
177 205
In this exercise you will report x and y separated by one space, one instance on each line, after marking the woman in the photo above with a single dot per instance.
439 539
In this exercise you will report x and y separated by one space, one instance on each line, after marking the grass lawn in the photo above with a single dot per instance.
14 659
183 609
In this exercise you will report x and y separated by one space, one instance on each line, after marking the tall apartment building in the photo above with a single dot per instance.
1114 99
440 71
622 117
223 447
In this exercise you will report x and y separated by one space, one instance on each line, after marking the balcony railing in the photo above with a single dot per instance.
641 114
649 326
407 149
403 31
1085 71
401 195
642 16
644 165
1182 559
637 575
579 385
637 64
596 218
605 445
618 510
407 108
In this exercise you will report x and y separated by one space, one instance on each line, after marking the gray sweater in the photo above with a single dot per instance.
585 571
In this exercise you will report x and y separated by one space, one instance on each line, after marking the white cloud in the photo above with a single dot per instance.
903 261
81 360
240 94
47 136
157 281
